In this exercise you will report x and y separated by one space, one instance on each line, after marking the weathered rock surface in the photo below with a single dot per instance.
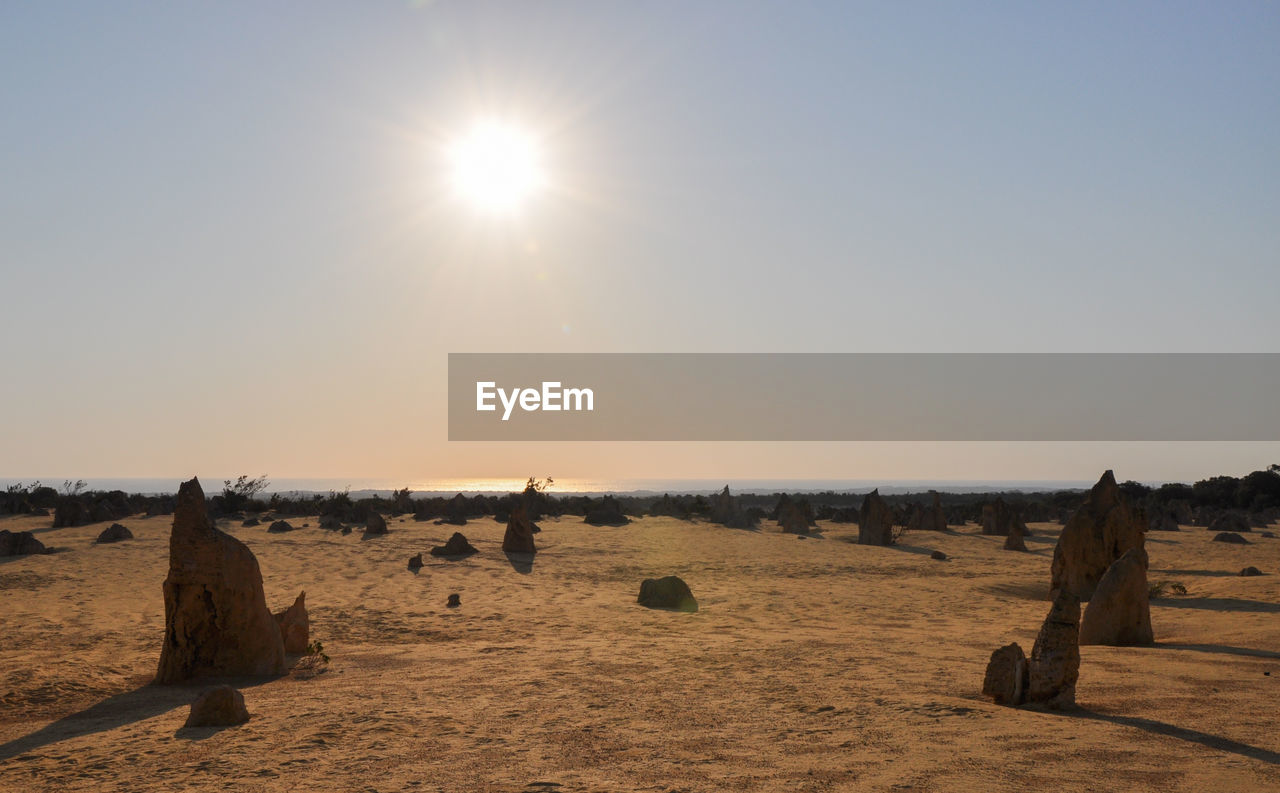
375 524
875 521
1014 541
1098 533
1230 537
115 533
519 536
216 617
218 707
1007 676
1119 613
295 625
1055 659
456 546
669 592
20 543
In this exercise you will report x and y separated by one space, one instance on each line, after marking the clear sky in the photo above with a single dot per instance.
228 242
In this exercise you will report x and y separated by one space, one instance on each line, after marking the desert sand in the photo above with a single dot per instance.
812 664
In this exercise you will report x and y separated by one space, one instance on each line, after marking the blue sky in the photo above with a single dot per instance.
234 212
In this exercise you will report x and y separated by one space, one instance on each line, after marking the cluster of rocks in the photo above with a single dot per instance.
78 510
607 513
931 518
1001 520
794 516
1100 558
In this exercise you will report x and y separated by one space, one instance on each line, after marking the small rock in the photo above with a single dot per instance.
1270 535
456 546
1006 678
218 707
1250 571
279 527
455 600
346 529
1230 537
939 555
669 592
330 522
250 522
115 533
415 561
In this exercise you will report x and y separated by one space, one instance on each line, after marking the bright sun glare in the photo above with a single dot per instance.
496 167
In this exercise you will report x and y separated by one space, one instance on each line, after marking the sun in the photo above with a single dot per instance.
496 167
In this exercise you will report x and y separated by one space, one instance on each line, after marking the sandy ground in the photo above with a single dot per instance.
813 664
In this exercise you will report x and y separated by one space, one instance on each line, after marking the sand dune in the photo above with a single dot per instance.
812 664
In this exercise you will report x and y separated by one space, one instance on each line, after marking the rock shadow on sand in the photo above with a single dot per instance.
520 562
140 704
1209 740
1219 604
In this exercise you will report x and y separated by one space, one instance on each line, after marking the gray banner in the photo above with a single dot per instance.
864 397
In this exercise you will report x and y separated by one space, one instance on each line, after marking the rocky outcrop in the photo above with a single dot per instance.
1097 534
20 543
375 524
295 625
458 508
216 618
793 516
1007 674
456 546
930 518
1163 521
330 523
1230 537
1054 666
726 511
218 707
1119 612
1014 541
669 592
115 533
519 536
607 513
1000 520
875 521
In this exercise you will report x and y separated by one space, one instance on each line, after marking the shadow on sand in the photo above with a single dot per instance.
1220 648
520 562
1219 604
137 705
1173 731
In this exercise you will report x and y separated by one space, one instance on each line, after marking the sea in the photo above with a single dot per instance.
569 486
